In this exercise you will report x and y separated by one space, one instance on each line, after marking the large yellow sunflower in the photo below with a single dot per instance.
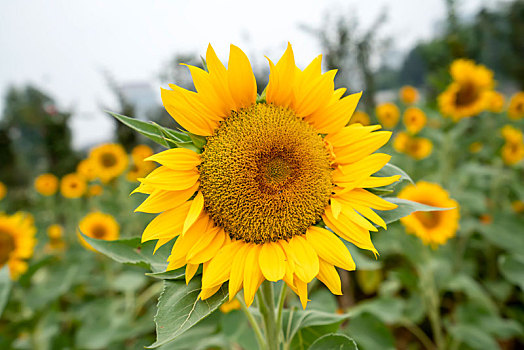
110 161
252 206
433 227
469 93
100 226
17 241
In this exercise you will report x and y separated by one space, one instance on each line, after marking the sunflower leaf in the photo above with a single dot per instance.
405 207
5 287
391 170
334 341
180 308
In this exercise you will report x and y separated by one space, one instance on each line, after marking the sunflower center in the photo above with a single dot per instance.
7 245
466 95
265 174
428 219
98 231
108 160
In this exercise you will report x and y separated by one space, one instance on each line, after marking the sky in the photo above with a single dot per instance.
65 46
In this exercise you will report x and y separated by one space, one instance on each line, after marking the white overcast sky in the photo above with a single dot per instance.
63 46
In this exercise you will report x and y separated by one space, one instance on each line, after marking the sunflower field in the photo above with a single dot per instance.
281 210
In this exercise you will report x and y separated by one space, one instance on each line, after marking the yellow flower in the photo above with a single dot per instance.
408 95
414 119
265 177
3 190
17 241
518 206
94 190
141 152
434 227
72 186
495 101
475 147
86 169
230 306
516 106
416 147
511 134
46 184
513 152
100 226
469 93
360 117
140 167
55 233
110 161
388 114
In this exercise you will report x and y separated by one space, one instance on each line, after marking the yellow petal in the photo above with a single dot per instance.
144 188
334 118
272 261
328 275
191 269
161 200
302 291
330 248
361 148
281 79
252 275
241 79
306 258
171 180
207 252
376 181
197 205
166 224
184 243
209 292
177 159
219 268
236 278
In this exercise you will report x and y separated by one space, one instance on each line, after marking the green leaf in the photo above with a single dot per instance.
387 309
302 319
370 333
177 274
474 337
5 287
512 268
392 170
334 341
179 309
405 207
502 233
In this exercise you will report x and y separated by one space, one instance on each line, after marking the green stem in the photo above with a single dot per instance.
281 300
267 309
432 301
258 333
419 333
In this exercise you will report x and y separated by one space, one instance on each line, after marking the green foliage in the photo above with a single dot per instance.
5 287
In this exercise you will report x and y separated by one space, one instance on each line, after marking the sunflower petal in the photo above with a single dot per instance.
177 159
241 79
306 258
330 248
328 275
272 261
252 275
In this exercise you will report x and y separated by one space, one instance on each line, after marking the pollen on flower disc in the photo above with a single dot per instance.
265 174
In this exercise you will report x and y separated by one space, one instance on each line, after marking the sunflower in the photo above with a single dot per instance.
388 114
100 226
141 152
110 161
3 190
475 147
516 106
72 186
252 205
511 134
496 101
229 306
416 147
17 241
86 169
414 119
55 233
517 206
433 227
46 184
94 190
513 152
469 93
140 168
360 117
408 95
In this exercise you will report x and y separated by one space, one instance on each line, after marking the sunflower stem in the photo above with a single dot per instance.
427 277
267 309
281 300
251 319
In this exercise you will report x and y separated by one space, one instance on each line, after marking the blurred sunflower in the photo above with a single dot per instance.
55 234
94 190
469 93
513 152
86 169
265 177
475 147
141 152
72 186
140 168
230 306
100 226
17 241
110 161
3 190
496 101
46 184
416 147
433 227
408 95
517 206
414 119
511 134
361 118
516 106
388 114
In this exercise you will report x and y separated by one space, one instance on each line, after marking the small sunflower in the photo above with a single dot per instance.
100 226
94 190
512 134
469 93
517 206
433 227
110 161
229 306
55 234
140 168
17 241
516 106
416 147
496 101
86 169
252 205
141 152
46 184
361 118
72 186
513 152
414 119
408 95
3 190
475 147
388 114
